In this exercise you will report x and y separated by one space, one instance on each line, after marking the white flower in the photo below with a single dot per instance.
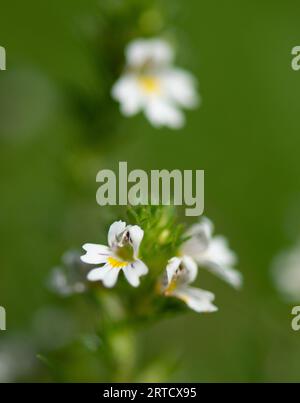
212 252
151 84
180 272
70 277
121 254
286 273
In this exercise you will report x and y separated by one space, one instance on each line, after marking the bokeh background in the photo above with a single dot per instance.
56 132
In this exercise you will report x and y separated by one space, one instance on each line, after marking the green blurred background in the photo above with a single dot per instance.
245 136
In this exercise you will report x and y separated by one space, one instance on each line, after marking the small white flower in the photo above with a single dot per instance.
286 273
212 252
151 84
70 277
121 254
180 272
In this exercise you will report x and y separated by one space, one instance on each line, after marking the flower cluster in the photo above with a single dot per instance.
200 249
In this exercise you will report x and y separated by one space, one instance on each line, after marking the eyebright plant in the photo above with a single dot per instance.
166 256
146 271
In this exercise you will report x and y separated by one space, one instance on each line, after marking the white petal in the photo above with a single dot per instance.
143 51
98 273
140 267
95 254
218 259
220 253
197 299
137 52
96 249
205 226
199 293
191 268
171 268
93 259
188 271
228 274
181 87
127 91
212 253
136 235
131 275
111 277
200 237
160 113
115 229
161 52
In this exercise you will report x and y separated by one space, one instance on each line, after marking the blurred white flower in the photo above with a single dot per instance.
180 272
212 252
151 84
286 273
70 277
121 254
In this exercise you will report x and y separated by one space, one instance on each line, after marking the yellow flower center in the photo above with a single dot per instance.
149 84
115 263
171 287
